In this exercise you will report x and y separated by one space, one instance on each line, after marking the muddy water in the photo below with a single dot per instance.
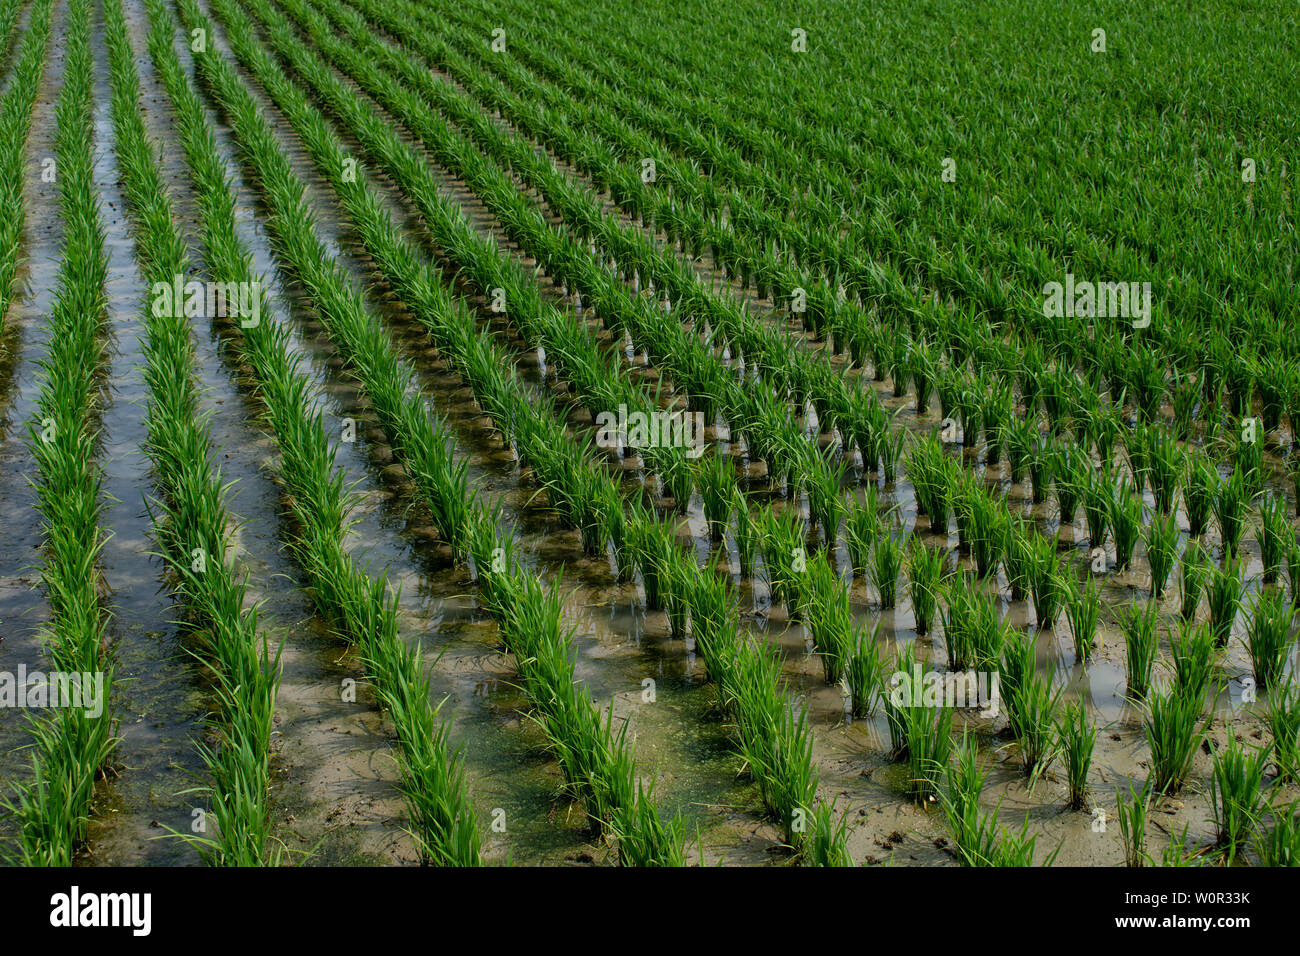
23 607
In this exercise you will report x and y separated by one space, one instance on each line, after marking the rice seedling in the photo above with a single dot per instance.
1165 457
998 413
717 483
862 528
1293 573
1174 732
747 535
1269 637
1249 462
1162 551
1279 845
1200 482
1070 472
1126 522
987 534
972 834
1076 736
1042 466
1139 627
1238 794
1018 559
887 564
1193 660
825 506
1179 851
1022 445
1229 506
928 732
1224 596
1191 579
1046 580
864 673
1032 715
926 570
827 617
1132 810
889 689
1275 535
1082 605
1284 724
1139 460
1097 507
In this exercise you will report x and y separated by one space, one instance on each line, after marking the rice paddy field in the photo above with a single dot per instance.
515 433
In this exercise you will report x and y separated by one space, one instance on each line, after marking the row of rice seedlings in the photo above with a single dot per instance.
787 582
773 734
15 123
362 609
191 520
70 746
9 10
598 766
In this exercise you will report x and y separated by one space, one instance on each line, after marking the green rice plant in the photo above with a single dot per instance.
825 506
1193 660
1238 794
1132 811
1022 446
1284 724
1162 551
1184 395
1224 595
1097 506
1165 458
862 529
1269 637
1126 520
1083 602
1275 535
998 412
1229 507
1139 460
1075 737
747 534
971 833
1200 481
827 844
926 570
1018 663
1032 716
1046 580
921 368
716 480
987 533
890 692
928 731
676 475
887 564
1293 573
1191 579
1249 462
827 617
1070 471
1179 851
1042 466
1018 559
1174 732
1279 845
865 671
1139 627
